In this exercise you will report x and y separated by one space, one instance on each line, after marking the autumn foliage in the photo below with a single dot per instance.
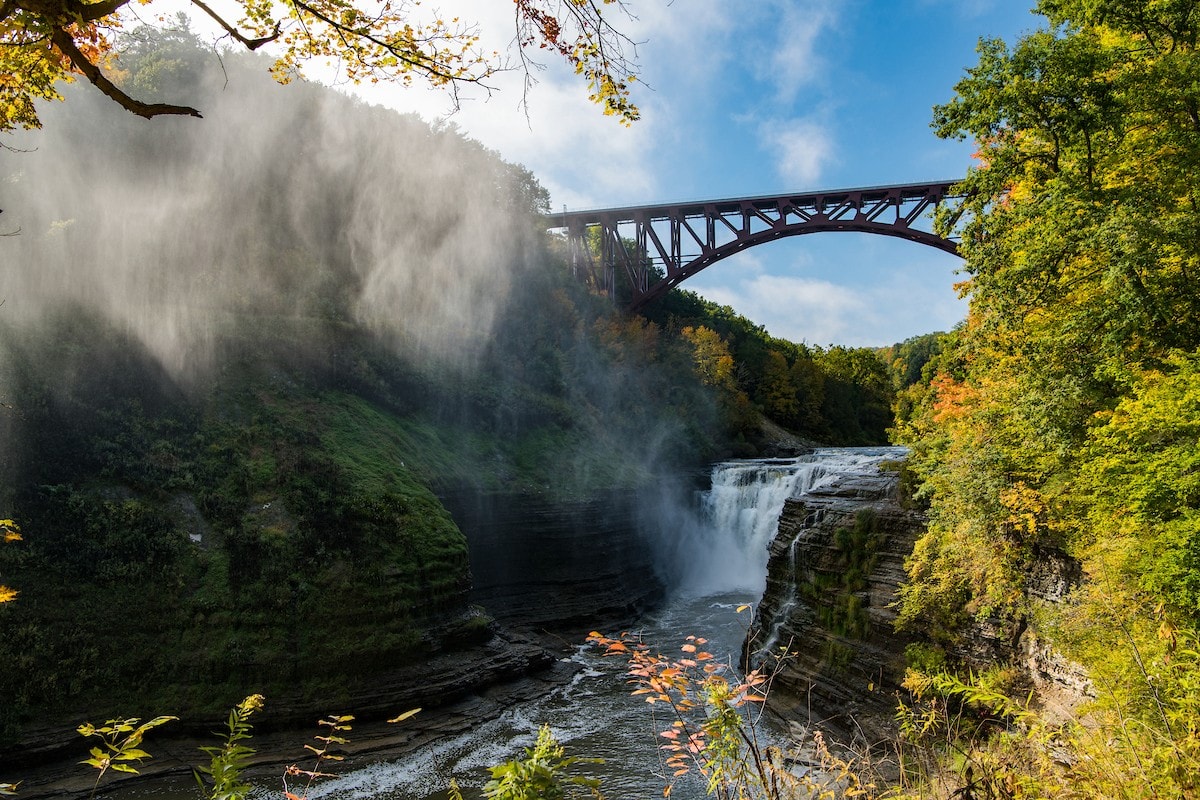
43 43
1058 425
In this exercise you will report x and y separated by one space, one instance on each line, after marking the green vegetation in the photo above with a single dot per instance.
228 763
1060 423
182 542
267 518
542 775
836 395
837 596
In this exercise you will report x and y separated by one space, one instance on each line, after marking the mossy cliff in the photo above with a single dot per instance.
278 530
827 621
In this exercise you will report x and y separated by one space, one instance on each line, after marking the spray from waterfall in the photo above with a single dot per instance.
283 203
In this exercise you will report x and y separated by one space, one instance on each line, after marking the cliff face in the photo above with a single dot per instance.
556 565
537 565
835 568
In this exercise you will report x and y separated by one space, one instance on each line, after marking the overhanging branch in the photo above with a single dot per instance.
66 45
250 44
90 12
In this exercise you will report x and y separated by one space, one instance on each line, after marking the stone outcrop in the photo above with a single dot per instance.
1058 685
459 691
834 573
541 569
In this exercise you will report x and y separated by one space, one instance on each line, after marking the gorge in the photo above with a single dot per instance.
580 693
334 422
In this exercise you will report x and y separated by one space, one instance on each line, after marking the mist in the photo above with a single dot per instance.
155 259
284 201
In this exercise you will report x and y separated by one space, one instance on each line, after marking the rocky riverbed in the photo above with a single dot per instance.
456 690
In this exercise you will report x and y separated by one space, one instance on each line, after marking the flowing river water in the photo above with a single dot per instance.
719 553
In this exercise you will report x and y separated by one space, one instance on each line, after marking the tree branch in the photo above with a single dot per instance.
417 60
66 45
89 12
250 44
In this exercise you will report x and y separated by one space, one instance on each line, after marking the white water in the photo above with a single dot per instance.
722 546
716 561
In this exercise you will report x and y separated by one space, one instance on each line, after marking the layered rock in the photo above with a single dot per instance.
459 692
825 625
834 573
557 565
537 564
1058 685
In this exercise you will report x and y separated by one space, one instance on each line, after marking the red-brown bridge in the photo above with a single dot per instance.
660 246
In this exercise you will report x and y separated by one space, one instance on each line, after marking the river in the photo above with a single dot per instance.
716 556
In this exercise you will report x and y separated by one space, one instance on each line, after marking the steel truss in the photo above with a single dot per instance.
660 246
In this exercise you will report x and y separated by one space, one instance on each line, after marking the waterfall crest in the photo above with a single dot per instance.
722 547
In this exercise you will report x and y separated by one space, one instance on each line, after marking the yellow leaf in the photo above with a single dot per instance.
405 715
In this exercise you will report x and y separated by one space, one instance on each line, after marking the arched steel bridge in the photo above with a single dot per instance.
660 246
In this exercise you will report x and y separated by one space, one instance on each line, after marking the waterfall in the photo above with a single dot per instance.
722 547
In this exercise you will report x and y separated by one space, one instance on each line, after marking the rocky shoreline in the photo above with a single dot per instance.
456 691
547 572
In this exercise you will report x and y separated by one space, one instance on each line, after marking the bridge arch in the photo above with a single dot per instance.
660 246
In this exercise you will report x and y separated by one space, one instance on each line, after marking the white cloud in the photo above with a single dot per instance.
802 149
796 61
799 309
855 290
581 156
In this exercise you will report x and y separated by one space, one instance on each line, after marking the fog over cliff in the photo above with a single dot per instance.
290 221
285 200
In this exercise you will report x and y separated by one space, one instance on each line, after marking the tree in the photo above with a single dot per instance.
9 532
43 42
1059 424
714 363
780 399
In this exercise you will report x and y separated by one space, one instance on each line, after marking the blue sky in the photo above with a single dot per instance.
745 98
